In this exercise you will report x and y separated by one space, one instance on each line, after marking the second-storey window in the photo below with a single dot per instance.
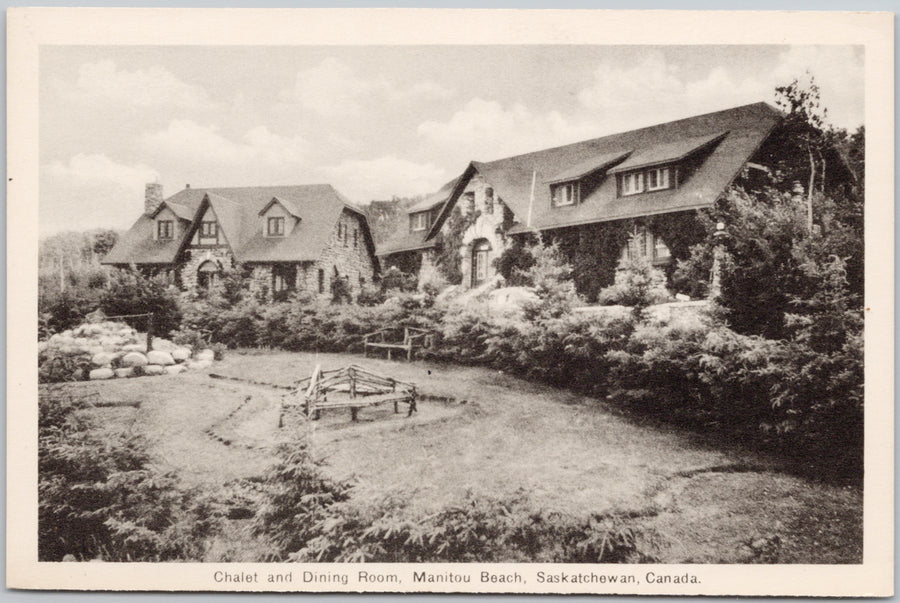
488 200
165 229
633 183
657 179
419 221
208 230
275 227
565 194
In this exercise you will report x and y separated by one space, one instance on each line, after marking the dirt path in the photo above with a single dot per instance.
484 432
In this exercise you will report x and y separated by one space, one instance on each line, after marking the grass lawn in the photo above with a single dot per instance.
484 432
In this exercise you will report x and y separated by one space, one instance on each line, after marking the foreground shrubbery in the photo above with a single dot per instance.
308 517
99 498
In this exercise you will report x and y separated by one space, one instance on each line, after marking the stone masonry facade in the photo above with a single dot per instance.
487 230
345 255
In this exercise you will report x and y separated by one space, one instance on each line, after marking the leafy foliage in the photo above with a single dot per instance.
130 292
638 284
101 499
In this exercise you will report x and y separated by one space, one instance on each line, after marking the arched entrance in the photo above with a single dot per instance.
481 251
208 274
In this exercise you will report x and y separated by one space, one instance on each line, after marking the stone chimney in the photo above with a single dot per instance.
153 197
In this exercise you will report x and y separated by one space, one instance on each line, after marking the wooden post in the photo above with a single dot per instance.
150 333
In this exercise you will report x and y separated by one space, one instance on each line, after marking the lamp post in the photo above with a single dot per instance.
715 287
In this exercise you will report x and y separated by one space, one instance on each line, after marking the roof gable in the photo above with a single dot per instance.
731 136
238 214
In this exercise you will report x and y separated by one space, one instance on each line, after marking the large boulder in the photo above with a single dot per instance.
101 373
160 357
134 359
206 355
181 354
124 372
103 359
153 369
174 369
200 364
134 347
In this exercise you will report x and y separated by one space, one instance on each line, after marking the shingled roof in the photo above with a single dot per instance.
728 139
404 240
237 210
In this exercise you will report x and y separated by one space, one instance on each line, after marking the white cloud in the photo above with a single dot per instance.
99 169
185 140
332 88
154 86
91 191
364 180
487 130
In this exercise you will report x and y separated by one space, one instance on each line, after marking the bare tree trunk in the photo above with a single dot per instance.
809 195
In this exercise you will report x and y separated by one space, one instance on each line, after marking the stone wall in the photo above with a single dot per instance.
487 226
196 256
353 262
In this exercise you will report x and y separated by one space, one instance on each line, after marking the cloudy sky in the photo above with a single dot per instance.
373 121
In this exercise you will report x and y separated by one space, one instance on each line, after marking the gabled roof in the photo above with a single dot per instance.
589 166
667 152
729 138
404 240
287 205
237 211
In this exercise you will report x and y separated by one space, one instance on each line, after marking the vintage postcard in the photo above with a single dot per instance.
469 301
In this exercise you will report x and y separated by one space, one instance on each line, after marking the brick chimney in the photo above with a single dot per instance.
153 197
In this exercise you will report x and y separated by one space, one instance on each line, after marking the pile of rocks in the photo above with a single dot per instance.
117 350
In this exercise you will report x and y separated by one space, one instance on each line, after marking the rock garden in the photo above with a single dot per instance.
110 350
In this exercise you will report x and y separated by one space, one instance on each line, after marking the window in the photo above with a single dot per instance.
275 227
488 200
165 229
208 230
633 183
470 202
355 238
419 221
208 274
644 244
657 179
346 237
480 253
565 194
321 281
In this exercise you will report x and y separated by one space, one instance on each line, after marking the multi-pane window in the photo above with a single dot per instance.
165 229
321 281
565 194
644 244
208 229
488 200
654 179
355 238
419 221
657 179
275 227
480 257
633 183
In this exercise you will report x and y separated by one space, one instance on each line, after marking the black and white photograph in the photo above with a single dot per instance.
533 314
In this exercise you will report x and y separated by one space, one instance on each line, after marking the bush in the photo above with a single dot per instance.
638 284
101 499
308 517
132 293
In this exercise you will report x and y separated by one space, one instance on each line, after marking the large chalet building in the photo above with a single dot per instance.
287 238
639 176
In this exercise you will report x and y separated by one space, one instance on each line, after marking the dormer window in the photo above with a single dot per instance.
633 183
652 179
564 194
275 227
418 221
657 179
165 230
